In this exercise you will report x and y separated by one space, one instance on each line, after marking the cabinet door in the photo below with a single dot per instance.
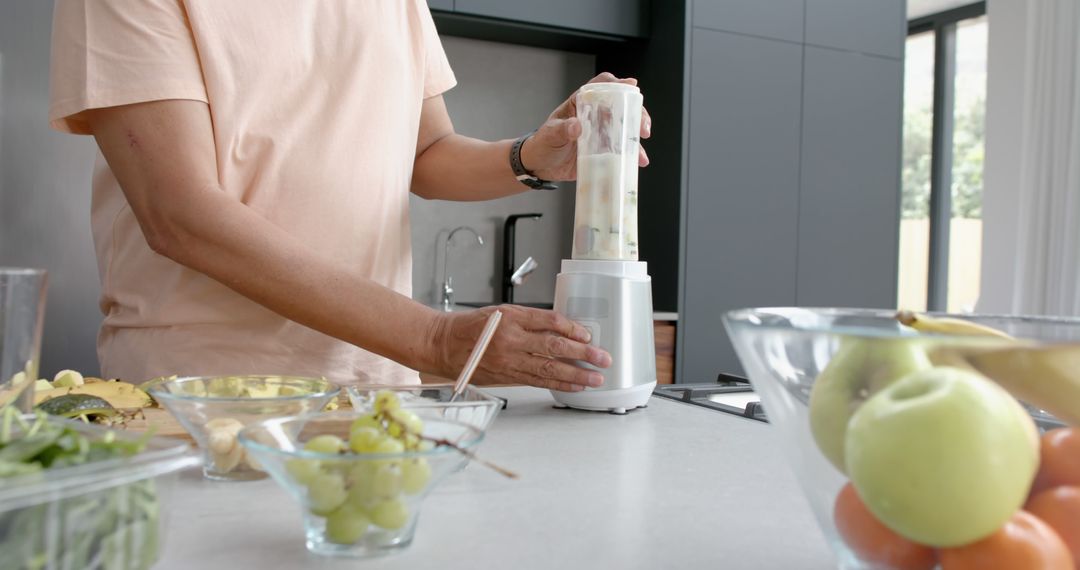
444 5
742 197
617 17
849 215
869 26
780 19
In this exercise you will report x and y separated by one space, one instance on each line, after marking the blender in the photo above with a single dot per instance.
604 287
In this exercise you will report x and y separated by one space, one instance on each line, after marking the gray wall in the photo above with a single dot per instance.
495 99
45 179
45 190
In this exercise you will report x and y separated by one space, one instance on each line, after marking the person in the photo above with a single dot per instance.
250 198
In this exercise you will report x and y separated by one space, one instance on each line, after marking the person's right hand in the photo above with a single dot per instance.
529 347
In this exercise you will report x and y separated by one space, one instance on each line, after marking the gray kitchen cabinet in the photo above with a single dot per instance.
445 5
614 17
850 199
869 26
742 194
779 19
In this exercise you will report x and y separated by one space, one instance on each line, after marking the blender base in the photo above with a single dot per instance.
613 401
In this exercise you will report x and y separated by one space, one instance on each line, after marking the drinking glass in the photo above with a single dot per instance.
22 312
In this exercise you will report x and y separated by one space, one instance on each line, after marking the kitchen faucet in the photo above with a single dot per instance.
512 277
447 287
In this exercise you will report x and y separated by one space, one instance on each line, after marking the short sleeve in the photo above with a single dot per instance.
118 52
438 77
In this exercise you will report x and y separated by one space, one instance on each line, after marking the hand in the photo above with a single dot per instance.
551 153
525 349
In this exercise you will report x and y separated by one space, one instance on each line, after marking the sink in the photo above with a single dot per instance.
489 303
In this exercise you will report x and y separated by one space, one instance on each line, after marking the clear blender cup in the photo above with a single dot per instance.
605 217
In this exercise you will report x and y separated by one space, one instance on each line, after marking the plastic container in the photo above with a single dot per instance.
107 514
605 218
213 409
356 505
928 441
474 406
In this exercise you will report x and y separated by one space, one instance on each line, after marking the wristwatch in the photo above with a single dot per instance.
524 176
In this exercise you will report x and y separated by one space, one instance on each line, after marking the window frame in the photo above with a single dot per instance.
943 25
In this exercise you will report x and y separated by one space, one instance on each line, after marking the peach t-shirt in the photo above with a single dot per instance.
316 108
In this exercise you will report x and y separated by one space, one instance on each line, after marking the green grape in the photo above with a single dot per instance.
346 525
366 420
411 442
385 400
387 445
303 470
390 514
404 418
386 481
362 492
365 439
325 444
326 492
415 474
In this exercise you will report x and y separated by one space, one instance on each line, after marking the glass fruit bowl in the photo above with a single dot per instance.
940 442
474 406
214 410
361 489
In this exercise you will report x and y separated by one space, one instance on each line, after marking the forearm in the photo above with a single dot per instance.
224 239
457 167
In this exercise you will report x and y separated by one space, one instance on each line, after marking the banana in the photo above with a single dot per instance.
1047 377
947 325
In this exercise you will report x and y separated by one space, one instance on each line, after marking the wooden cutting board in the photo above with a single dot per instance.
163 422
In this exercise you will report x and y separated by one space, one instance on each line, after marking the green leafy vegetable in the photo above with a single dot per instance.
114 528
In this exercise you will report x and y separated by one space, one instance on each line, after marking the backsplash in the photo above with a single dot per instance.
503 91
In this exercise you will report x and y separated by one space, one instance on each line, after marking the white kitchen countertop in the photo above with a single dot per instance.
670 486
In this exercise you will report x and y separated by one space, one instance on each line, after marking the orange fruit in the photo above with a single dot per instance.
1060 508
874 542
1059 461
1024 542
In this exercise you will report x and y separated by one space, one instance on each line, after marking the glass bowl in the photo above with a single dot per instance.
214 409
908 418
474 406
355 505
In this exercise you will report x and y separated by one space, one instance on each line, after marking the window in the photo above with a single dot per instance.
942 171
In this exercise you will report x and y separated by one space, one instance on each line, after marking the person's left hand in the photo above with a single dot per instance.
551 153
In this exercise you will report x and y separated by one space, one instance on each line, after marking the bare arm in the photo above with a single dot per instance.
450 166
163 155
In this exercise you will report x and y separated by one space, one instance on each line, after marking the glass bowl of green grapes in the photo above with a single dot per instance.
360 477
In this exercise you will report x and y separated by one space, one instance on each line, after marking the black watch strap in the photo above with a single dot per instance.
524 176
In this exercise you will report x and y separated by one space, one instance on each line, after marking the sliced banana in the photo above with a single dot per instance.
225 449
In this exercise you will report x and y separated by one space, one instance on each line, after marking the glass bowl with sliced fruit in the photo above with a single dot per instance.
214 410
473 406
926 441
361 477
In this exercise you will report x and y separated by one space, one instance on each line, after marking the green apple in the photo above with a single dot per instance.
943 456
859 369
